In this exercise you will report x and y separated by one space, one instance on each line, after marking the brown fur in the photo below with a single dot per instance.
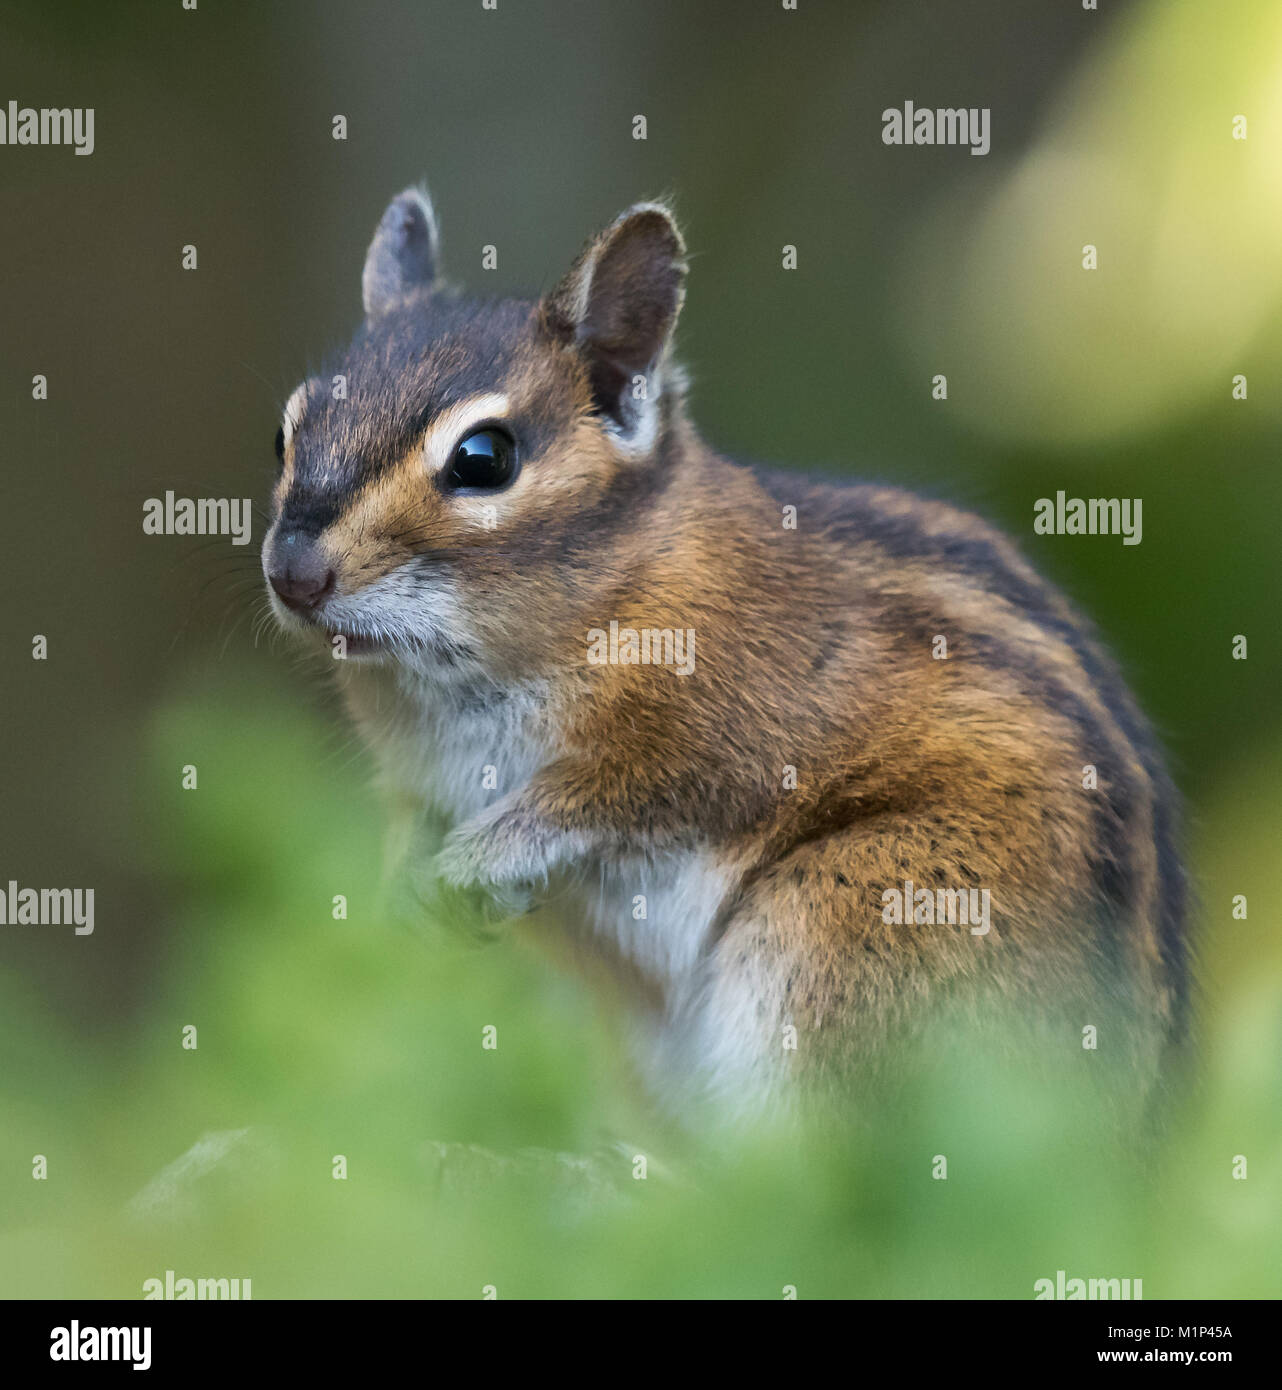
814 652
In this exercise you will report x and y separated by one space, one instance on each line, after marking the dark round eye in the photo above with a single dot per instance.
485 459
280 442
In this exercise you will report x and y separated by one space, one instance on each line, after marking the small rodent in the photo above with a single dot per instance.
699 715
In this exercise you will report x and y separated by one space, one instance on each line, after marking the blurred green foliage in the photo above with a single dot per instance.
352 1037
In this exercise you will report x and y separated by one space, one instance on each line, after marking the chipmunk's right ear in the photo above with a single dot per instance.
403 255
618 306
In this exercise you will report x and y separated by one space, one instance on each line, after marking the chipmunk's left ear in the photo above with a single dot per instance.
618 305
403 256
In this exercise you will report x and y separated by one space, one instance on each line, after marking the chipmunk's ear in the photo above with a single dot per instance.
618 305
403 255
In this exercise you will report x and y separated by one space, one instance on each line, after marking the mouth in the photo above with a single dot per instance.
362 644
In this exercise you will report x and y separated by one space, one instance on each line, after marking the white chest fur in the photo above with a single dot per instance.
705 1032
456 750
698 1033
657 913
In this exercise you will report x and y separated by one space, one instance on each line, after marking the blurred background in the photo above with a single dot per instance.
213 906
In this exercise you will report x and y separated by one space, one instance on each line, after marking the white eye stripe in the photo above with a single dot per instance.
442 435
294 412
454 422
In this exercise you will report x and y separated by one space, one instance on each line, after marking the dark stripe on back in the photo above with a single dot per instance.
851 514
981 559
1110 860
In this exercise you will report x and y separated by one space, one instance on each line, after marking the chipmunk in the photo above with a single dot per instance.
698 713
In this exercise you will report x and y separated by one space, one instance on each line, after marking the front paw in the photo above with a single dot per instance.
422 900
501 848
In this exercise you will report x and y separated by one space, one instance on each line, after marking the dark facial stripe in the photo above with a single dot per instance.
310 512
401 372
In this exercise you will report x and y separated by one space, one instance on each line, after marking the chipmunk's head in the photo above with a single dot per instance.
450 488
